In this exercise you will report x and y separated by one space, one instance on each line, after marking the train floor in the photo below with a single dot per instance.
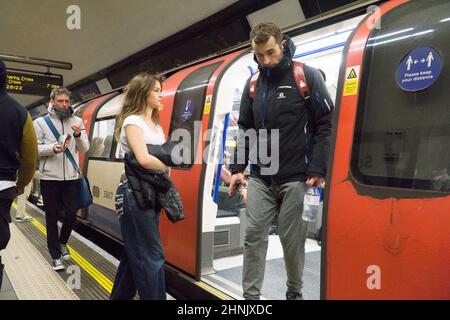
228 272
88 275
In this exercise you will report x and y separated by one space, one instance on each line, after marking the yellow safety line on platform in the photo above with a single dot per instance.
97 275
213 290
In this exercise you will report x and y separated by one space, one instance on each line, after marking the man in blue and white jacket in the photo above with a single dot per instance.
59 179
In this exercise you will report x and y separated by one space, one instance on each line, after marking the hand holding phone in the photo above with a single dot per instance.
57 148
64 141
76 130
235 189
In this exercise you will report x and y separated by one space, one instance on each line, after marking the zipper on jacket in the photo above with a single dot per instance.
305 128
263 114
43 166
263 99
64 154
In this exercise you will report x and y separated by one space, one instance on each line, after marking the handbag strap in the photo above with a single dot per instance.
56 134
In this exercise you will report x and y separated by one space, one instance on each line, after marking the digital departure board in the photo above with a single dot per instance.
40 84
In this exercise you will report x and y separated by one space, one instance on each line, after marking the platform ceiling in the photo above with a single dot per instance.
111 30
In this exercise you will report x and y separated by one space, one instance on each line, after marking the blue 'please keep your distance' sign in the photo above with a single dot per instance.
188 110
419 69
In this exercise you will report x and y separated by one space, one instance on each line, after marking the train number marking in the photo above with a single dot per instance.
107 194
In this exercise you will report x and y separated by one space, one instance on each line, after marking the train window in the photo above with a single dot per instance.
102 138
188 109
401 137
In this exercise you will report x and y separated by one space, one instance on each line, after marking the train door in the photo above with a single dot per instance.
224 218
189 92
388 205
104 165
323 49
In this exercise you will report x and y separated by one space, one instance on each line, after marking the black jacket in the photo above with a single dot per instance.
304 127
18 145
166 153
153 189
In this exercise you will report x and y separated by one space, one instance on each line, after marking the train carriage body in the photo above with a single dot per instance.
387 210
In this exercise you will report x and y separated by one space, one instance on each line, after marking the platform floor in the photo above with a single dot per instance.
30 274
88 275
90 272
6 290
228 272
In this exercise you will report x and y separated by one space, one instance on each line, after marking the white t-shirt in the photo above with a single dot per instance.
149 136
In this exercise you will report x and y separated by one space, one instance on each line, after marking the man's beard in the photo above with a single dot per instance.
279 60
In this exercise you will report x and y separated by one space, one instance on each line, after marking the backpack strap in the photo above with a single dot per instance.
299 78
252 84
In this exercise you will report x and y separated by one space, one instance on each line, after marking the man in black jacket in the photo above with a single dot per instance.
302 129
18 156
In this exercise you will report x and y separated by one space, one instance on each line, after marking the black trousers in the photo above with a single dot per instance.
59 195
6 198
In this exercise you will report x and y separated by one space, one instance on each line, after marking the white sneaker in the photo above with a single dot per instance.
65 254
57 265
23 218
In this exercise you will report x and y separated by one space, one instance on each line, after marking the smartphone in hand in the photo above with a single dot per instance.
235 189
64 141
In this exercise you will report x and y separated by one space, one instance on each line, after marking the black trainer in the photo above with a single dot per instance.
57 265
294 296
65 254
273 230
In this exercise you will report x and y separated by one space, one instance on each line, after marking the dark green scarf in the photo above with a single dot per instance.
63 114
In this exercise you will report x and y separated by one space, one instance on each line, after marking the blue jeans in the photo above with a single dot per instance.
141 266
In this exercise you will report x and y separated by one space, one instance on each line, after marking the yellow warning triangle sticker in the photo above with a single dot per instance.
352 74
208 99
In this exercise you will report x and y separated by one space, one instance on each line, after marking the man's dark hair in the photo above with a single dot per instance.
57 91
262 32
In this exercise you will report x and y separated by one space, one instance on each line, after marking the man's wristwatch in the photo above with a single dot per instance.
77 135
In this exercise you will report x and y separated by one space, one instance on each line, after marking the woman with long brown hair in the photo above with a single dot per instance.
141 266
